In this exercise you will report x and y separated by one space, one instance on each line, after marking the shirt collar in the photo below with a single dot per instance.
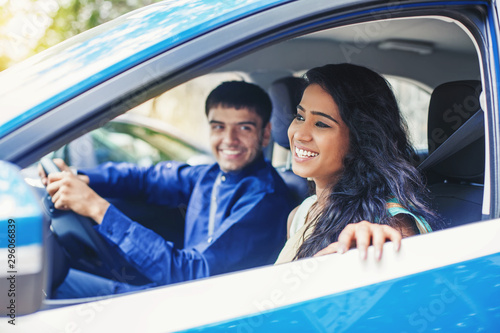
235 176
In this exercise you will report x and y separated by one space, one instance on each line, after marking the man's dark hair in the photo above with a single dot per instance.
238 95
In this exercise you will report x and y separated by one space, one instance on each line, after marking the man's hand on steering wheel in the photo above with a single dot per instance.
76 205
71 192
62 167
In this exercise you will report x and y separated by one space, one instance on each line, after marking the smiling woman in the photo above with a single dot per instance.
319 137
349 137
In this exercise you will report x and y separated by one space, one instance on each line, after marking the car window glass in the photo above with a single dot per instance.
184 106
122 142
413 100
112 146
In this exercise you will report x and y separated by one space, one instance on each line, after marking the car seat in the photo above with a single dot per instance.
456 183
285 95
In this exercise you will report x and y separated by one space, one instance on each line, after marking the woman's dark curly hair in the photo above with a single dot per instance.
378 164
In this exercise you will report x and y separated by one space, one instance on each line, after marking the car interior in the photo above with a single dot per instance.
456 183
435 55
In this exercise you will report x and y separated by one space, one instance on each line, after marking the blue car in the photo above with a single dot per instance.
442 59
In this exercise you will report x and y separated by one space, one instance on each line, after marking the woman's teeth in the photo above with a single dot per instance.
304 153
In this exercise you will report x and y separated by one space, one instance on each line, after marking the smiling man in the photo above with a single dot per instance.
236 209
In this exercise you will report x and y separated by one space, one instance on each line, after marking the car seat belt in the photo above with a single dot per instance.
469 132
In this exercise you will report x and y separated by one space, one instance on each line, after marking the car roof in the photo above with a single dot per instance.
58 74
425 49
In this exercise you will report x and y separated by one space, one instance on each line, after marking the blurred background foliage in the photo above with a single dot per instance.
30 26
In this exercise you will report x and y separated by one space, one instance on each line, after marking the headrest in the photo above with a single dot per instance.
285 95
451 105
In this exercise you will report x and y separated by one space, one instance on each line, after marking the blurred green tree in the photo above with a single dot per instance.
76 16
30 26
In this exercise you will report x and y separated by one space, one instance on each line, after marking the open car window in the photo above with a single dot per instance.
181 109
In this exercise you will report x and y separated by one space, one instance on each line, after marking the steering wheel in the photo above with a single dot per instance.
87 249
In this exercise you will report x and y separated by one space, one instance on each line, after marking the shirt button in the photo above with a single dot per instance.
169 165
210 240
223 178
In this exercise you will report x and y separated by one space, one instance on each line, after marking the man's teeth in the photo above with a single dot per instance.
304 153
231 152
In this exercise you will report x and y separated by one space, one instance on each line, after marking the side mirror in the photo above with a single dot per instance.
23 228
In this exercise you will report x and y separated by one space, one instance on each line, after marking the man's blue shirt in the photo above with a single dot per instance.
249 227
